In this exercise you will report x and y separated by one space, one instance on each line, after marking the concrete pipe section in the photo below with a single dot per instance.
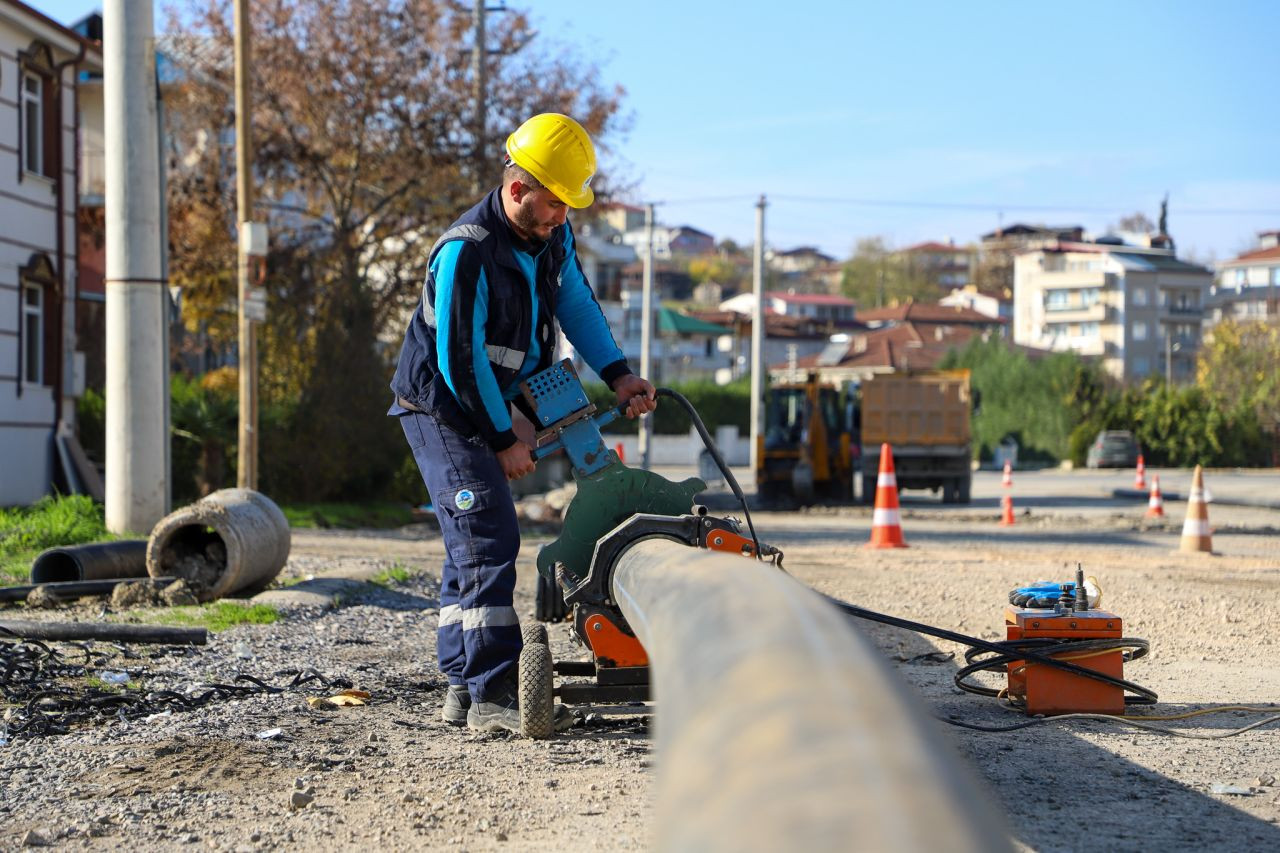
778 726
231 540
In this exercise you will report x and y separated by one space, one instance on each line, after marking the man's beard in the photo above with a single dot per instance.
527 221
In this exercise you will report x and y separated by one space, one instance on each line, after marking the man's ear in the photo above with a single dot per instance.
517 191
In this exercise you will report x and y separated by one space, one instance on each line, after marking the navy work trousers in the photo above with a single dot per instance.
478 641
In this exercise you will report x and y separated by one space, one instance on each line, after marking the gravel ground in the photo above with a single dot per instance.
391 773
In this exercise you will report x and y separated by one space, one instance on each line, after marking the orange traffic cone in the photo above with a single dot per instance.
886 524
1195 530
1006 506
1140 478
1155 505
1008 474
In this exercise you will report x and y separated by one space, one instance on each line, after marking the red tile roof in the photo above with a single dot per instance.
927 312
1272 254
934 246
913 346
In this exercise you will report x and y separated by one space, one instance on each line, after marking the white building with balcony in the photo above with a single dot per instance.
1137 310
1248 286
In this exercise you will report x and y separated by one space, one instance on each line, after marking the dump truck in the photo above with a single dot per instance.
806 451
924 416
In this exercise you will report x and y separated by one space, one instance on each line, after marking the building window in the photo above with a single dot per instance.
32 123
1141 365
1275 276
1139 331
1088 330
1241 277
32 334
1056 300
1140 296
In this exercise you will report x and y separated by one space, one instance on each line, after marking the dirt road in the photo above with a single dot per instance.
391 774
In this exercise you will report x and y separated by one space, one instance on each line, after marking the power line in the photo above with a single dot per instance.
982 207
1023 208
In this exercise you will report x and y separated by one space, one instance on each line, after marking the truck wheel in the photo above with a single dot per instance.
869 488
534 634
802 485
537 705
950 490
966 486
548 603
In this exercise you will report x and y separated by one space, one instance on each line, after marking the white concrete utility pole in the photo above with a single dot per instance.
757 339
137 423
646 330
252 300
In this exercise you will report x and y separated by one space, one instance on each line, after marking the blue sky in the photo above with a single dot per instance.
963 114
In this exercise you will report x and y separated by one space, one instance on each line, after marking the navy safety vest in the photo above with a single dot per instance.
420 384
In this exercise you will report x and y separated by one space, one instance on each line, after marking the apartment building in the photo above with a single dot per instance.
1248 286
1138 310
946 265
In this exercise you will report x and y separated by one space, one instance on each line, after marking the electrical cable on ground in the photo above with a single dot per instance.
30 669
715 455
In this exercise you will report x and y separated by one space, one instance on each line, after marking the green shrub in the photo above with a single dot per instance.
51 522
717 405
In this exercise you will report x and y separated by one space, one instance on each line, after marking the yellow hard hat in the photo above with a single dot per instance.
557 151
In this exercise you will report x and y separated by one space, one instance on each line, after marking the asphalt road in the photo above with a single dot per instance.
1056 489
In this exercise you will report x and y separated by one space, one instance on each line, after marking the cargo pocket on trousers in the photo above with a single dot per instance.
466 500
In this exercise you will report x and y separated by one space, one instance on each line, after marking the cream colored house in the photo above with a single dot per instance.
41 372
1137 310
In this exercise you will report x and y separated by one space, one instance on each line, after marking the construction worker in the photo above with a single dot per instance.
499 280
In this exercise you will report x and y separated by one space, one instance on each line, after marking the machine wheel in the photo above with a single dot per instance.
966 486
534 634
537 705
802 485
869 488
548 603
950 492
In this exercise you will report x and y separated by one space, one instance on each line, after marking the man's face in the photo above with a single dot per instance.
538 212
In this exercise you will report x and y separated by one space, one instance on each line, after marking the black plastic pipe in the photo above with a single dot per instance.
67 590
100 561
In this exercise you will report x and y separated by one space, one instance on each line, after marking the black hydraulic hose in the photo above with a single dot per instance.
1028 650
715 455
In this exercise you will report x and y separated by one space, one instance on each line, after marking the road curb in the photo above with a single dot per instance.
1260 503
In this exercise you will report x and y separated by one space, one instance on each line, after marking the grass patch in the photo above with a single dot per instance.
378 514
394 575
48 523
218 616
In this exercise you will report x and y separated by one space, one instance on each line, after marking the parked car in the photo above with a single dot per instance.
1113 448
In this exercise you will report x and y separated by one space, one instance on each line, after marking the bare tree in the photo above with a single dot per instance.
363 128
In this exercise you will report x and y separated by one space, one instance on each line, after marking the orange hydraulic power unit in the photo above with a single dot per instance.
1043 689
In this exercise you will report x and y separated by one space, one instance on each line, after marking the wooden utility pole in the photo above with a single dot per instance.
247 462
478 82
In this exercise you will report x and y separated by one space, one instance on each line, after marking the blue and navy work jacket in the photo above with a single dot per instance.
487 319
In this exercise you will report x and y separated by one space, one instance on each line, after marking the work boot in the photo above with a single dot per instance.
456 702
502 713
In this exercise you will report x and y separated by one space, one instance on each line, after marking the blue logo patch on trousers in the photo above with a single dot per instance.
465 499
